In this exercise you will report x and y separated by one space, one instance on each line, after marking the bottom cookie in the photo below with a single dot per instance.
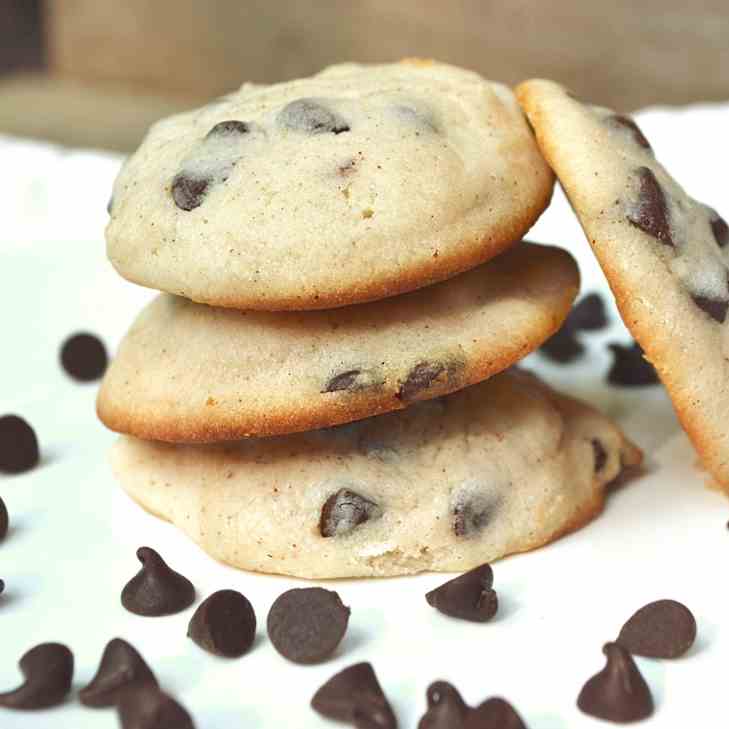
500 467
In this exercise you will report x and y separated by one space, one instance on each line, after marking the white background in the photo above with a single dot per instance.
74 533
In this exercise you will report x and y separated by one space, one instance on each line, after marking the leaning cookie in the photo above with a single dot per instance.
666 256
353 185
188 372
501 467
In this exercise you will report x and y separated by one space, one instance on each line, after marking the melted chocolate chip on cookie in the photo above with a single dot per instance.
472 512
18 445
720 229
345 510
311 116
630 368
633 128
188 192
229 128
650 211
351 381
423 376
715 308
600 454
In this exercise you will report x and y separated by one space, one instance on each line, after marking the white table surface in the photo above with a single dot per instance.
74 533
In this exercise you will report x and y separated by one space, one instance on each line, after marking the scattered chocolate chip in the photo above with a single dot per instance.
494 713
630 368
354 695
146 707
156 589
600 454
650 211
715 308
311 116
420 378
306 625
229 128
4 520
446 709
344 381
345 510
471 515
618 693
661 629
720 229
48 671
224 624
630 125
18 445
83 356
468 597
2 587
563 346
189 192
121 669
588 314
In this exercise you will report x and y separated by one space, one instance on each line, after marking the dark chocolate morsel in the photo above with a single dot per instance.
471 516
715 308
4 520
224 624
420 378
618 693
588 314
494 713
650 211
446 708
83 356
630 368
661 629
343 381
306 624
121 669
600 454
468 597
229 128
345 510
354 695
146 707
48 672
18 445
188 192
311 116
720 229
563 346
156 589
630 125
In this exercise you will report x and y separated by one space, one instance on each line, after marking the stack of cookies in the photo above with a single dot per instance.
321 390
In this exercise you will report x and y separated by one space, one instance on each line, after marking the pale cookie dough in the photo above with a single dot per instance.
666 256
188 372
356 184
501 467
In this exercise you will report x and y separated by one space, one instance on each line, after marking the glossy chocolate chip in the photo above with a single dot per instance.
231 128
48 671
188 192
306 625
224 624
146 707
446 709
600 454
312 117
715 308
18 445
588 314
650 211
345 510
468 597
354 695
720 229
420 378
4 520
471 516
121 669
495 713
661 629
83 357
618 693
563 346
156 589
630 368
627 123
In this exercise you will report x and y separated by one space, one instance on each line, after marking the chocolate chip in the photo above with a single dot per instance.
156 589
494 713
48 671
661 629
311 116
468 597
715 308
633 128
344 381
345 510
18 445
121 669
630 368
2 587
617 693
146 707
563 346
720 229
588 314
420 378
188 192
354 695
446 708
224 624
306 625
650 211
600 454
83 356
4 520
229 128
471 515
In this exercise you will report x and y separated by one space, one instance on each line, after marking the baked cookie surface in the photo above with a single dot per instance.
501 467
189 372
665 255
353 185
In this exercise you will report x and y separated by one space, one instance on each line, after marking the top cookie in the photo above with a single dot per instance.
353 185
665 254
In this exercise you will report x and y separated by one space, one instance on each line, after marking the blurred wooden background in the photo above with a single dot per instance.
115 65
